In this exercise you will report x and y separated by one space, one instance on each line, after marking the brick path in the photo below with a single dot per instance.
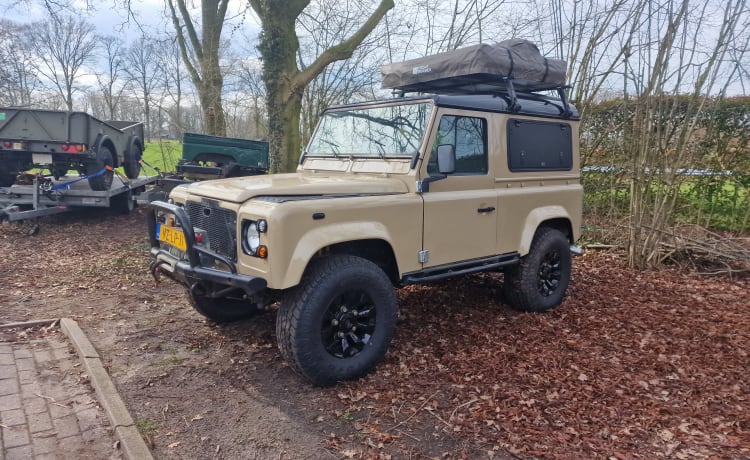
48 410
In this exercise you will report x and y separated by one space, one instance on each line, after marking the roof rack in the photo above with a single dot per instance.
489 84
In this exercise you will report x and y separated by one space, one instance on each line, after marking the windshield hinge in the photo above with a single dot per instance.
424 256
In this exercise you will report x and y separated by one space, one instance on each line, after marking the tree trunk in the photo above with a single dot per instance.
209 94
285 82
284 133
203 64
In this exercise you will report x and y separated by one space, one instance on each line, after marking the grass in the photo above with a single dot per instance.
719 202
146 426
162 154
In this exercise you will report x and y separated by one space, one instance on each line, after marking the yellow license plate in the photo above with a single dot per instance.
173 236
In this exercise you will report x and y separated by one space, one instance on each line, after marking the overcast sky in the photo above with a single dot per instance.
149 15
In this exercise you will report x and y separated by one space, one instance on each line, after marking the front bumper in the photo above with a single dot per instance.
189 270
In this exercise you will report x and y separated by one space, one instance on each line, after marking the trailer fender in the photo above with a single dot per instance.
102 140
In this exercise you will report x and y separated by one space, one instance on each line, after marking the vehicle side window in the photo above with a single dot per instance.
468 136
539 146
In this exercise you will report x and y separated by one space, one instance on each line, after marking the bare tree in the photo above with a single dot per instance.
200 54
143 69
64 46
110 81
285 81
320 27
170 65
673 81
17 79
248 75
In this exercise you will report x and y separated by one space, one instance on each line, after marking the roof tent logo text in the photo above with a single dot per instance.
421 69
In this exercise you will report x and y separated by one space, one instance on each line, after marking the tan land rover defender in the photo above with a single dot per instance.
480 174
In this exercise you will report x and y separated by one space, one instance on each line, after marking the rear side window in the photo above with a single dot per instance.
539 146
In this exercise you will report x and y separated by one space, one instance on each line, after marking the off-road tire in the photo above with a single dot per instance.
337 293
222 310
103 159
539 281
132 159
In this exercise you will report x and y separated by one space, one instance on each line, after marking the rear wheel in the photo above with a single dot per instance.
338 322
539 281
132 159
223 309
104 159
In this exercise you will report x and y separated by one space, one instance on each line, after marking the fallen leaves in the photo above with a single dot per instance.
632 365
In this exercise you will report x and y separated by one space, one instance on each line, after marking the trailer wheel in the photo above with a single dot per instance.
132 158
122 203
103 159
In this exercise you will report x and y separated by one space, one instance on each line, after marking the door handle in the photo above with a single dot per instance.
487 209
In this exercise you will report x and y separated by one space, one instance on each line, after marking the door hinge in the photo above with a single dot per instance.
424 256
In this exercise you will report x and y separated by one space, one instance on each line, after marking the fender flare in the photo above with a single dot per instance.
102 140
536 218
320 238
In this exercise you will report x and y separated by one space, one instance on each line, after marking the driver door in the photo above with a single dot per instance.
460 211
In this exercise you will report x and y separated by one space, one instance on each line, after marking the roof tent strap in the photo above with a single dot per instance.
510 57
546 70
514 106
561 91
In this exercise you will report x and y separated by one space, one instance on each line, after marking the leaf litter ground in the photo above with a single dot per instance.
634 364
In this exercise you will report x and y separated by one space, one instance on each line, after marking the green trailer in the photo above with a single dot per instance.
59 141
214 157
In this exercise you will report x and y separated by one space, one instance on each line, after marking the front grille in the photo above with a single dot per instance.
219 223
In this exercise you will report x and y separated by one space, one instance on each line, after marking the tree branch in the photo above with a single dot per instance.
343 50
183 46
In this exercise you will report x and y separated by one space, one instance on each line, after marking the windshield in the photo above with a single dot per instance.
378 131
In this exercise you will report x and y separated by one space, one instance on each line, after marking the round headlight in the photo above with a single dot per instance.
252 237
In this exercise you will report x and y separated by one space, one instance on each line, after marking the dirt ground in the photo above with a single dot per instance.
632 365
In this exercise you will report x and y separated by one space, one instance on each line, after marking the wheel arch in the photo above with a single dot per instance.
377 251
135 141
372 244
552 216
105 141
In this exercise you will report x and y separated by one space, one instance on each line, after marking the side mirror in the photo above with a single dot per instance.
446 159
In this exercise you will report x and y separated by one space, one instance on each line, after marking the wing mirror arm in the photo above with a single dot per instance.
446 163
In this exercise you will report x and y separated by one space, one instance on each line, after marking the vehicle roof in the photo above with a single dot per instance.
527 103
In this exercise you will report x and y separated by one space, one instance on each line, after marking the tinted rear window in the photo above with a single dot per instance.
539 146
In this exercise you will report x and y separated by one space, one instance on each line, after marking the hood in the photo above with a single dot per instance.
241 189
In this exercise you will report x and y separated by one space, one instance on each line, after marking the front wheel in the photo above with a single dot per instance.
539 281
338 322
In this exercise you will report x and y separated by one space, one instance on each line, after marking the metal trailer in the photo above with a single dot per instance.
44 197
60 141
